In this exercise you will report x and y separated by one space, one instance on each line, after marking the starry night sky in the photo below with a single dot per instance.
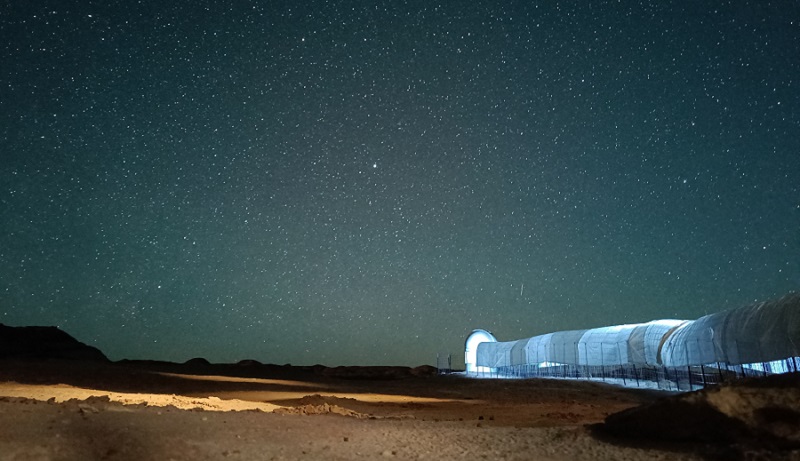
366 182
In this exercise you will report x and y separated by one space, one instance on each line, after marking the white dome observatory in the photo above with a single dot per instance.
471 350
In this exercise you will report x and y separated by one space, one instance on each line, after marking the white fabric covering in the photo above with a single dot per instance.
757 333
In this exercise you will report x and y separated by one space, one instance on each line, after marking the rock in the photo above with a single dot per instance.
44 343
763 412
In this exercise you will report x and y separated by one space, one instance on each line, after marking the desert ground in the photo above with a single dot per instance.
84 410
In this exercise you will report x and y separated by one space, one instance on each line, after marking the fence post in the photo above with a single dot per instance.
703 374
760 354
589 368
739 358
602 364
689 372
547 358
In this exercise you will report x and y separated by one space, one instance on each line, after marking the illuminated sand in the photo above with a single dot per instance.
68 410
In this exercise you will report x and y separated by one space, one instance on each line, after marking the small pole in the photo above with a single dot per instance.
703 374
602 364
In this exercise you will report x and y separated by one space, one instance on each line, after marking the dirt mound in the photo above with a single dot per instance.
317 399
761 412
320 409
424 370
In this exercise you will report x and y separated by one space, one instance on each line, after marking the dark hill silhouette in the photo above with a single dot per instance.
44 343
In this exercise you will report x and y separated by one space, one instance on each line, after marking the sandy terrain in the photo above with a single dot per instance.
74 410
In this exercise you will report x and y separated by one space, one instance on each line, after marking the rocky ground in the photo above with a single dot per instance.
67 409
63 400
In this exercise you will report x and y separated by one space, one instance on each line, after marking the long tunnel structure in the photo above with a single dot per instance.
758 333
